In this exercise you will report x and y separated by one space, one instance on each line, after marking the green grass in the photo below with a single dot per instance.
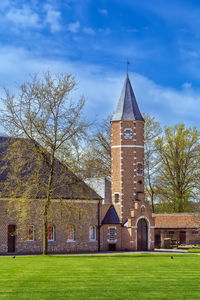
192 250
100 277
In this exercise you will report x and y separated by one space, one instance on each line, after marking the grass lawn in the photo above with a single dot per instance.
193 250
100 277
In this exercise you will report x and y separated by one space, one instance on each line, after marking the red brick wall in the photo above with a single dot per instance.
60 245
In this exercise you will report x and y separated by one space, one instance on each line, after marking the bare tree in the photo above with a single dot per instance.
43 113
96 159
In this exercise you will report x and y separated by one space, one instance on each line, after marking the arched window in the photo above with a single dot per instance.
93 233
70 233
50 233
128 133
139 169
116 198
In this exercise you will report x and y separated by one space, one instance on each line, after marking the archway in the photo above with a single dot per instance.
142 235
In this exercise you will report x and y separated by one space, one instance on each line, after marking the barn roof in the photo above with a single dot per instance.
111 217
22 173
176 220
127 108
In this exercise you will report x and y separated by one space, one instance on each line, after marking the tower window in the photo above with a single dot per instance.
128 134
139 169
116 197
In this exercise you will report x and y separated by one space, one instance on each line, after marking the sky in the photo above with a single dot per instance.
93 39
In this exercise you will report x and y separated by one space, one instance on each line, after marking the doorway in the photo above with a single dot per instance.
11 238
142 235
182 237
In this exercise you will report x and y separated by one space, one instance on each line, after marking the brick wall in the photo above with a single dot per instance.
82 242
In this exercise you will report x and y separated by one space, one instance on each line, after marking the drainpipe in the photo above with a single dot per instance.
99 226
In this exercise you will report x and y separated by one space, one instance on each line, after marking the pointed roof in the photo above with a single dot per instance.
111 217
127 108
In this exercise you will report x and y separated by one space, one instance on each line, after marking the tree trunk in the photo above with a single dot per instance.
45 215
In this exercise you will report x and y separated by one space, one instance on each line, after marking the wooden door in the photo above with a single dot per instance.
182 237
142 235
11 238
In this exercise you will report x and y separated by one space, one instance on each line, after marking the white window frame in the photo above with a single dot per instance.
52 234
140 174
126 135
72 234
112 239
33 230
91 232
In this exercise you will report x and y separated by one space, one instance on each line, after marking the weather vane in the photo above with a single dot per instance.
127 65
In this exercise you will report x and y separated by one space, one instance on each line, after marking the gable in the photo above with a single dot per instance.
21 172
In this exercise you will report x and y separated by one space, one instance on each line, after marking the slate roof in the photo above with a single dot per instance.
32 178
176 220
127 108
111 217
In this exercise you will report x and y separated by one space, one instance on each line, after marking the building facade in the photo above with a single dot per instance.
114 218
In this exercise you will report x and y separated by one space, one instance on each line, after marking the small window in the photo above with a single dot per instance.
31 233
112 234
116 197
50 233
170 232
70 233
128 134
142 209
93 233
195 232
139 169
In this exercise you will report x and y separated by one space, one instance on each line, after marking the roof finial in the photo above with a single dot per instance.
127 64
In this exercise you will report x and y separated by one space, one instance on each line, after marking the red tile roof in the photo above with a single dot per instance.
176 220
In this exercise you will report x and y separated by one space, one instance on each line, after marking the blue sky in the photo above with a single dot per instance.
93 40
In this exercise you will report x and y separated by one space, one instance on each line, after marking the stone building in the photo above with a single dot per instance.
113 217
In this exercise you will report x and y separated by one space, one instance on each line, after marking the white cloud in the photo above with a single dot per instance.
74 27
52 18
187 85
24 17
102 88
103 11
89 30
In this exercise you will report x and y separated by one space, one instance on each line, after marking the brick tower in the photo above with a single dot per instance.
127 173
127 153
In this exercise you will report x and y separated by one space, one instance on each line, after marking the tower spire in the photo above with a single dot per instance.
127 65
127 108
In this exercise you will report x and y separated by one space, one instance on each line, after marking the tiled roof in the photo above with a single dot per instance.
127 108
176 220
111 217
32 178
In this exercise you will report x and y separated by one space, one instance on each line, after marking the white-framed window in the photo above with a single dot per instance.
195 232
30 233
139 169
50 233
93 233
128 133
116 198
112 233
70 233
171 232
